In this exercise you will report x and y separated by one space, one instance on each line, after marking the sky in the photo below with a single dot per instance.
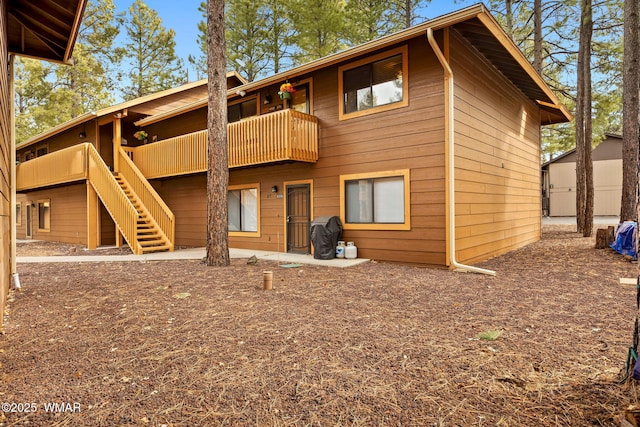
183 17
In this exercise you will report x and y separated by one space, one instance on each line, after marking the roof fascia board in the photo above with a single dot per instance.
202 102
75 29
492 25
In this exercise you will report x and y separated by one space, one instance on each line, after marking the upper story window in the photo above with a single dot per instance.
242 109
374 84
41 151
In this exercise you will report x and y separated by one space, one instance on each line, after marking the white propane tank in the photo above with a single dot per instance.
340 249
351 251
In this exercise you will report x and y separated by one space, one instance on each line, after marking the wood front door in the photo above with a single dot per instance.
298 218
29 231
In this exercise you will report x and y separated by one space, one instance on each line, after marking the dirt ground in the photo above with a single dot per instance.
181 344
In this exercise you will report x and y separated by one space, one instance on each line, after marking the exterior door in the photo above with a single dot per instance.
298 218
29 231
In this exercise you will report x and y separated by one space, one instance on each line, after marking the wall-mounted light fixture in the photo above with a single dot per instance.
274 189
241 92
267 99
83 132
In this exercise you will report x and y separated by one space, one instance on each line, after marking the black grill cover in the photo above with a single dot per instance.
325 233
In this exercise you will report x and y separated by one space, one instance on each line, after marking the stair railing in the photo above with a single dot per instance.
113 197
155 206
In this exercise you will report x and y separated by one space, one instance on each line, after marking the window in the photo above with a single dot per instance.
42 151
18 214
242 110
244 209
300 100
44 215
374 84
376 201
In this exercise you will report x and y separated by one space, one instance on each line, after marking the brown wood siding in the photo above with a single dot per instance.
405 138
186 197
5 156
62 140
497 160
185 123
68 210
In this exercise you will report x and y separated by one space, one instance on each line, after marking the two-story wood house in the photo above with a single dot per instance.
426 144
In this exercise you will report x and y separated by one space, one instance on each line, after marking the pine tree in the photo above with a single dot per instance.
370 19
245 35
584 165
218 169
631 101
318 25
150 52
32 90
200 62
277 42
407 11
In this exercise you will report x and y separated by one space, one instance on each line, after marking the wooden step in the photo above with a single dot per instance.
148 243
156 249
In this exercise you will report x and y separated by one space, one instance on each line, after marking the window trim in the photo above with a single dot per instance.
247 233
404 51
42 201
406 225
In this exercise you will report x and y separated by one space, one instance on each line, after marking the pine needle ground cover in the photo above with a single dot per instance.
181 344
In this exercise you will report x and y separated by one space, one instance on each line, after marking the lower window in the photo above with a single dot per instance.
18 213
376 201
244 208
44 215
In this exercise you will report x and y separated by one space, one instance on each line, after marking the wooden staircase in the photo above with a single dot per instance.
150 237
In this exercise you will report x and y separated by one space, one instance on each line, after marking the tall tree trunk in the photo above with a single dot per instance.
217 154
407 13
630 112
584 164
537 36
509 8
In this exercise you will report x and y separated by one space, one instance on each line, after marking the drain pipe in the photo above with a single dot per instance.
449 123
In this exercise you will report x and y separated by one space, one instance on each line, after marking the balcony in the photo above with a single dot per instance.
46 170
286 135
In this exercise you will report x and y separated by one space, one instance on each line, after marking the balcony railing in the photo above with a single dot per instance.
286 135
66 165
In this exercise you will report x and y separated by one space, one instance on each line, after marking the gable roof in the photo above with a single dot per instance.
44 29
474 23
609 149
